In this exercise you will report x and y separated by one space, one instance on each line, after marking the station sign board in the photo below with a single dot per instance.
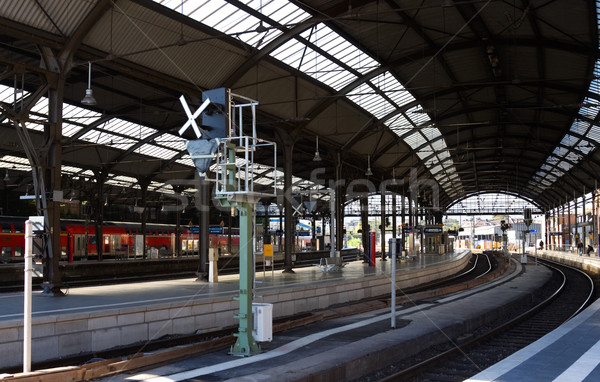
215 230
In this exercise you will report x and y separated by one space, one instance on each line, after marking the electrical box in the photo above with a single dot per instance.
263 322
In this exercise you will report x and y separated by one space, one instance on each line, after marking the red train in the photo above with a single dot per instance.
120 240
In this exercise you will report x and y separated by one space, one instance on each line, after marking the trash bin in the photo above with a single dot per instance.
263 322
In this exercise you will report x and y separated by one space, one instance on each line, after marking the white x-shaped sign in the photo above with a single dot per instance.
297 211
192 117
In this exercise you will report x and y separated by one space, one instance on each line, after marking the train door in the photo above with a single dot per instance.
79 243
115 245
106 244
431 244
173 247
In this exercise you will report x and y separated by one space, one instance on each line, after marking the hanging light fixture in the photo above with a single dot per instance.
317 157
6 176
369 172
89 99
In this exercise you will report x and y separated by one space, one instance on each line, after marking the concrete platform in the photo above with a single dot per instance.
351 347
98 318
589 264
568 354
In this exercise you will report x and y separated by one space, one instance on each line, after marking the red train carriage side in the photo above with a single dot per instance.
119 239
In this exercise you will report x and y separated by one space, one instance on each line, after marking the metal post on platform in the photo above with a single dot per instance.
27 296
332 224
34 225
245 344
393 302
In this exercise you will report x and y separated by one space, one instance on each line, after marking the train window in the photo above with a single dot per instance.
6 228
6 252
19 251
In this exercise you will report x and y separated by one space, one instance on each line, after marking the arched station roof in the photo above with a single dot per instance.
478 96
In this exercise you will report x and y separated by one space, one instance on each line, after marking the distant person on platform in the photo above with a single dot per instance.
579 247
541 244
590 250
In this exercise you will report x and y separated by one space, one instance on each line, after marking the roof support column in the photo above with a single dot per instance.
144 187
288 151
203 224
584 232
577 235
364 218
51 162
394 223
177 249
340 200
594 218
569 236
99 211
564 238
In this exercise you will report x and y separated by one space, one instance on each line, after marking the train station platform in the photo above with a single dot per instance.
569 353
92 319
589 264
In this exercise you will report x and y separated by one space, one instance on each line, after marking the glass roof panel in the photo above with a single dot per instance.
174 142
228 18
564 166
415 140
156 151
560 151
365 97
399 124
430 132
416 114
326 39
594 133
308 61
70 169
187 161
129 129
104 138
438 145
443 155
393 89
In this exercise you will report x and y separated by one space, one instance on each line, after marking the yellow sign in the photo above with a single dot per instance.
268 250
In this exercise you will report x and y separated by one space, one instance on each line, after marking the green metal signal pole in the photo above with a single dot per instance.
245 344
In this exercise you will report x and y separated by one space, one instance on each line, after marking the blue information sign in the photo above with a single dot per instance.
217 230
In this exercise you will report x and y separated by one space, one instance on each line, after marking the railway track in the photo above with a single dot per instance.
570 291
